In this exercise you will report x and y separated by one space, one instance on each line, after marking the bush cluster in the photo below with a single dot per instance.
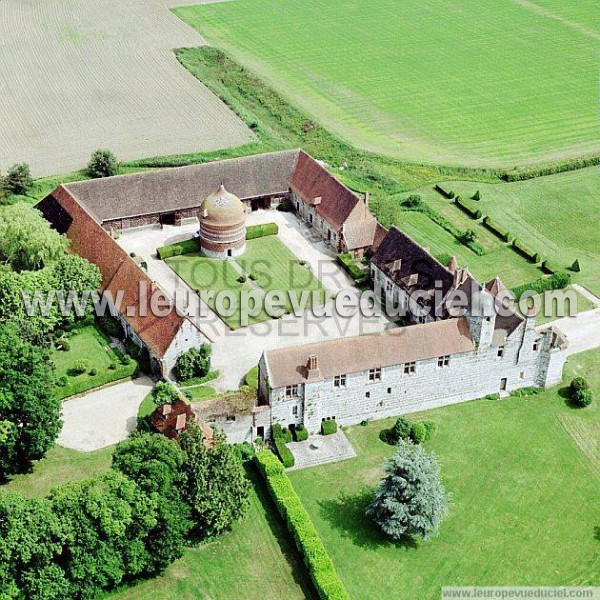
329 426
258 231
557 281
468 207
412 201
103 163
178 249
496 229
405 430
18 180
580 393
319 564
195 362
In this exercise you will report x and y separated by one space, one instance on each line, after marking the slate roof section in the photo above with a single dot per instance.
399 257
288 366
180 188
120 274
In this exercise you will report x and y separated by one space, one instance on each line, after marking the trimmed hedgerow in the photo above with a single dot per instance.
185 247
496 229
519 174
320 566
468 207
285 454
558 281
328 426
447 194
549 268
525 251
347 261
258 231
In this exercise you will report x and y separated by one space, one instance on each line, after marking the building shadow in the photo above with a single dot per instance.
346 514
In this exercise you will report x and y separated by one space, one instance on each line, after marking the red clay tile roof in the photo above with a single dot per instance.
174 421
288 366
311 180
120 274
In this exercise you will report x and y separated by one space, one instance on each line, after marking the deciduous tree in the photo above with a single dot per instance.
103 163
216 487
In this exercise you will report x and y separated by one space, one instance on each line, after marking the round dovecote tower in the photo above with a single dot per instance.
222 225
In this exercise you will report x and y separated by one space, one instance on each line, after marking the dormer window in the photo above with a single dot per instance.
291 391
410 368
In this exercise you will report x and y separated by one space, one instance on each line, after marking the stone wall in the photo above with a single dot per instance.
468 376
318 225
187 337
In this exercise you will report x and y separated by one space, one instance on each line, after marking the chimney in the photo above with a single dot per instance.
453 264
313 366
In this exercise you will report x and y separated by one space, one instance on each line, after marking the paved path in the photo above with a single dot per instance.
587 294
236 352
582 331
104 417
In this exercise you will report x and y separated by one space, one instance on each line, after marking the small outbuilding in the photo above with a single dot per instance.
222 219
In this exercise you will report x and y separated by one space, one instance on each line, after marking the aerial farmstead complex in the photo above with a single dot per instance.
439 357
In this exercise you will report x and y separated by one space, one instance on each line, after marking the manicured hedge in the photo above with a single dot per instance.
496 229
328 426
200 380
349 265
558 281
258 231
319 564
549 268
301 433
185 247
285 454
550 168
468 207
447 194
527 252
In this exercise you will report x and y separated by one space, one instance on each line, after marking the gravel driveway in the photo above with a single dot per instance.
104 417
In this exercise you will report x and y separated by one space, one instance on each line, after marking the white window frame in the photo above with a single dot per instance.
410 368
443 361
339 381
291 391
375 374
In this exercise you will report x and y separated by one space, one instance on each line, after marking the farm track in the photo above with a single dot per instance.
77 75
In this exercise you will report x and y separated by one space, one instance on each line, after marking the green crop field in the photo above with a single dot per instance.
523 474
556 216
470 82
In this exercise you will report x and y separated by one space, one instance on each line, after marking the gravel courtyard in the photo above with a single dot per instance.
79 75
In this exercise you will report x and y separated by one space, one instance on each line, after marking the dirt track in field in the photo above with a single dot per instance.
76 75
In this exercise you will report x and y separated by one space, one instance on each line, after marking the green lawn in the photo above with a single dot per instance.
256 560
266 259
90 344
555 215
494 85
549 310
276 268
60 465
524 476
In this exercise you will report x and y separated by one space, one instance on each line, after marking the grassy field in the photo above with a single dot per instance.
555 215
60 465
255 560
90 344
524 479
493 86
271 265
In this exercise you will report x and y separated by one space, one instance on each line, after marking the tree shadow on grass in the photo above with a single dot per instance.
564 393
597 533
347 514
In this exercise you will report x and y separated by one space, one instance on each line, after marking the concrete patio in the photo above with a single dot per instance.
321 450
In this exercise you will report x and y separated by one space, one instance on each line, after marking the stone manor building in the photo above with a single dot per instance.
452 354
